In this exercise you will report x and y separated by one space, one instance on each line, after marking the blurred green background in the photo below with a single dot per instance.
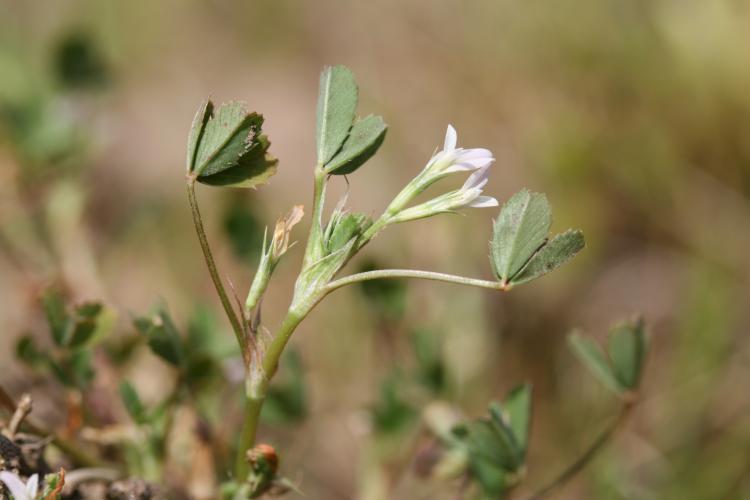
632 115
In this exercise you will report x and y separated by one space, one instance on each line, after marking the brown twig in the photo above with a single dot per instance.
23 408
78 456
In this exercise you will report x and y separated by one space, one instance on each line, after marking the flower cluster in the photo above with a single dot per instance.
449 160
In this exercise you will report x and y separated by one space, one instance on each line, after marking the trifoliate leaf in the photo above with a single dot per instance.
162 336
363 142
517 408
225 138
337 103
28 352
132 402
253 169
555 253
589 353
227 147
519 231
627 349
57 316
200 120
84 325
492 479
485 440
82 332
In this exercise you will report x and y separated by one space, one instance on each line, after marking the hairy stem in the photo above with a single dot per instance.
257 390
313 250
213 271
253 406
260 374
585 458
412 273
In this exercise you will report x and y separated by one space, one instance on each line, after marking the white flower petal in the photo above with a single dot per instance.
15 485
477 180
460 167
474 163
451 138
484 202
476 153
32 486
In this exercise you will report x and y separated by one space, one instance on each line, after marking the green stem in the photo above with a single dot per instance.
313 250
412 273
258 388
585 458
259 375
213 271
253 406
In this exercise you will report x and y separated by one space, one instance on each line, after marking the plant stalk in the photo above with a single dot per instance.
413 273
313 249
256 392
585 458
213 271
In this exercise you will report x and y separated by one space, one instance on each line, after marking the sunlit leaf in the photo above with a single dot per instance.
555 253
519 231
363 142
337 104
226 147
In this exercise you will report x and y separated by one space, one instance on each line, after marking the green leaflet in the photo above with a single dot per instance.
492 479
517 410
555 253
363 142
627 349
162 337
226 147
57 317
254 168
519 231
589 353
200 120
337 103
132 402
489 441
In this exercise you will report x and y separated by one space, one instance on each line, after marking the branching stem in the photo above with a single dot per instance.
78 456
